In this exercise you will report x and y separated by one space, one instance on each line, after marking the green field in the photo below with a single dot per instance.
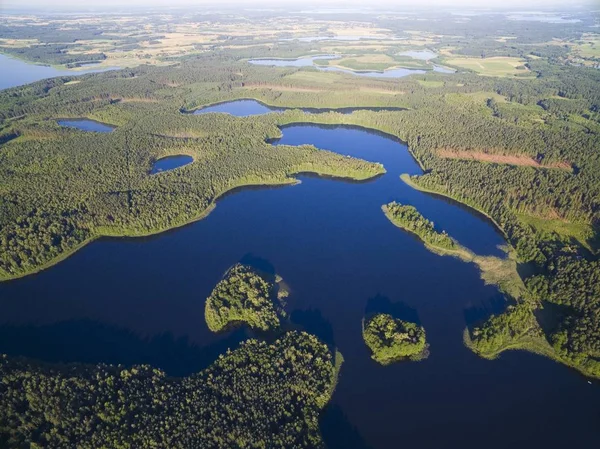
495 66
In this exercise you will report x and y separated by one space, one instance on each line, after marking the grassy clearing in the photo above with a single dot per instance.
496 158
588 47
500 66
581 232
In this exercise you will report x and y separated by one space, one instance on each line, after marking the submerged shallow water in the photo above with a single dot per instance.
142 301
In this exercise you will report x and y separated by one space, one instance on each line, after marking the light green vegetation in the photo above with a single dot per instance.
581 232
588 47
391 340
495 66
517 328
374 62
243 296
259 395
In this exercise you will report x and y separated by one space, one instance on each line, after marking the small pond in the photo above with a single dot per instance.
87 125
170 163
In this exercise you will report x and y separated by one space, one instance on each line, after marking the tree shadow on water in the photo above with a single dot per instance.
258 263
338 432
479 313
87 341
382 304
313 322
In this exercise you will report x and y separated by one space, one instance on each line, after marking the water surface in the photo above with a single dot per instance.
170 163
247 107
142 301
87 125
16 72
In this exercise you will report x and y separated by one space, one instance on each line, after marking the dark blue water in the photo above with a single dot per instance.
248 107
87 125
16 72
142 300
170 163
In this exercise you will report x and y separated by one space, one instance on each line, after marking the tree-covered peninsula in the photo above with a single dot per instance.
244 295
259 395
391 339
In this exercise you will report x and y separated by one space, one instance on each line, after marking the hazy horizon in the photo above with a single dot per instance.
76 5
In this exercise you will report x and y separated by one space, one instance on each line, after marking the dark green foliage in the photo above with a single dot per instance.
505 331
243 295
574 282
257 396
409 218
391 339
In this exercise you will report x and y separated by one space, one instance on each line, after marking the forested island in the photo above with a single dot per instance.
259 395
409 219
391 339
244 295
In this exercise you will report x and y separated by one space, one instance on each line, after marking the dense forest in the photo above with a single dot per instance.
259 395
391 339
244 295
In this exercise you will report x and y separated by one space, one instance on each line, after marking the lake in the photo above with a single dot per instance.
88 125
16 72
309 62
247 107
142 301
170 163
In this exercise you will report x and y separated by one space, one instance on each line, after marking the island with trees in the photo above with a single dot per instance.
391 339
244 295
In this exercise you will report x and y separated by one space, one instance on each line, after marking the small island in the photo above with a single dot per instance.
409 219
391 340
244 295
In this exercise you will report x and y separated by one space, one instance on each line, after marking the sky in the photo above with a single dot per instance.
104 4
